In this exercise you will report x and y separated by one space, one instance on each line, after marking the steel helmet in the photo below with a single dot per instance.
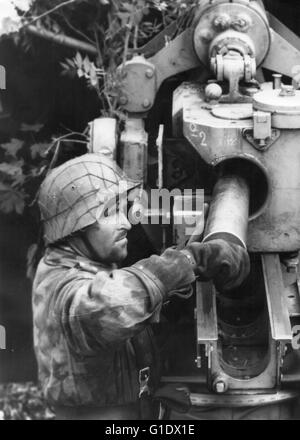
72 194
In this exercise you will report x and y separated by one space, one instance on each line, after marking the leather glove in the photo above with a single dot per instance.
227 264
172 269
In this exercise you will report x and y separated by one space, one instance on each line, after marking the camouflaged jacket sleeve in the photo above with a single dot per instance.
97 311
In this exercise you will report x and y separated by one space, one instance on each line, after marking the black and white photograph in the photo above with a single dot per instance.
149 213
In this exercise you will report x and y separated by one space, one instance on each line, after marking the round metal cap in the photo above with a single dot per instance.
233 111
274 101
284 106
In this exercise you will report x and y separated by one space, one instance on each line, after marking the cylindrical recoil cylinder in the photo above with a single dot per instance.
229 211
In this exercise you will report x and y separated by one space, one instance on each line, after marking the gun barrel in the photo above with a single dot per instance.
229 211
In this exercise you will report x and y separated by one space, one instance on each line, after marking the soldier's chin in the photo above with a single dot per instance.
120 253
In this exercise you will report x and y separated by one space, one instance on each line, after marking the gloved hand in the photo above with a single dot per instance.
172 269
227 264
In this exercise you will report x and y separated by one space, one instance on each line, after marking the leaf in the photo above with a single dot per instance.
87 64
23 401
9 25
18 180
35 128
12 148
128 7
12 169
39 150
11 200
24 5
124 17
36 172
70 62
78 59
93 75
65 65
80 73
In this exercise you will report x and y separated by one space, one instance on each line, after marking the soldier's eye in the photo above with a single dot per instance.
111 210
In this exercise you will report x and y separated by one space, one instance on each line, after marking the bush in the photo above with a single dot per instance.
23 402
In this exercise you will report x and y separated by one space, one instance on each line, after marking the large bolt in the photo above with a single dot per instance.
220 387
277 81
149 73
222 21
287 91
205 35
241 23
146 103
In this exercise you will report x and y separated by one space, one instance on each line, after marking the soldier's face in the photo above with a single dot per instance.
108 237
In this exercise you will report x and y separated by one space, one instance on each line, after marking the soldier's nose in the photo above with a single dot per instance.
125 222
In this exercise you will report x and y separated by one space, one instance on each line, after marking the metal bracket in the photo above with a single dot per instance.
257 143
207 320
103 137
278 311
282 56
143 77
138 85
233 67
239 401
133 149
178 56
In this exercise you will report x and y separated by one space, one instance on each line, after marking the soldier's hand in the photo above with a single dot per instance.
227 264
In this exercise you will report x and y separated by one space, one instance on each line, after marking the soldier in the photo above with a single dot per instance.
92 321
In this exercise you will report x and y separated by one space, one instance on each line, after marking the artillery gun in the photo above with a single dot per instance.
239 138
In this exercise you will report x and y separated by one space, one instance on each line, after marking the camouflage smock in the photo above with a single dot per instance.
86 319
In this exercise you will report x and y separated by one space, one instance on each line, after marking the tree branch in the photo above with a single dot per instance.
62 40
56 8
73 28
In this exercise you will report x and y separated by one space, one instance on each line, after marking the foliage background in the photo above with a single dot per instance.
95 37
115 29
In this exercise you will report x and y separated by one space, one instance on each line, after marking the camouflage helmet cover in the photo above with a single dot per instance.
72 194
